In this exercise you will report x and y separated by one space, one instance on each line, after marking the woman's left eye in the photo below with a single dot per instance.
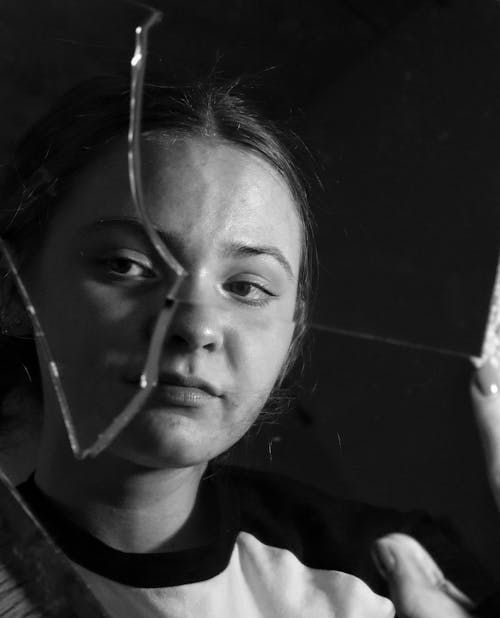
249 291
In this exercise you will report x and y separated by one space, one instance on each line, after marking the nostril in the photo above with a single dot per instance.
193 327
191 341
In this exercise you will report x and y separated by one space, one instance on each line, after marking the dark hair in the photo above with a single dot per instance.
96 112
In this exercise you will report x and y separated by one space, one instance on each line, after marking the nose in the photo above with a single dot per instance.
194 327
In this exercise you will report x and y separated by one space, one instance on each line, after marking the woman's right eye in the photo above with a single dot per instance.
128 267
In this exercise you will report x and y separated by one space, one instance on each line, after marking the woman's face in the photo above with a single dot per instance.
230 220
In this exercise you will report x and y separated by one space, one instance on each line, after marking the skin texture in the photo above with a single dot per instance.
98 287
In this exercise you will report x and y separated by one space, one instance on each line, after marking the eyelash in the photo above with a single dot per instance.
260 302
148 272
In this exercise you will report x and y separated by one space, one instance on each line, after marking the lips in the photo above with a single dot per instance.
183 396
175 389
188 382
184 391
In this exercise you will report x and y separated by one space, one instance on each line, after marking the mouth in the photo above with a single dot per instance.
188 382
183 396
185 391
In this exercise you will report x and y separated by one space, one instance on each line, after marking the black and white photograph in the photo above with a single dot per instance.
250 309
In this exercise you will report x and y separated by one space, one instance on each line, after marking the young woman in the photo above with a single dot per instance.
153 524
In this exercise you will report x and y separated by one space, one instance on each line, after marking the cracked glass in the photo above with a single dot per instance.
355 307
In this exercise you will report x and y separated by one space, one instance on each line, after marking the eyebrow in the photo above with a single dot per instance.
242 250
174 242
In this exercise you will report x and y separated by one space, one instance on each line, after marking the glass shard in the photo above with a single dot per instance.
356 250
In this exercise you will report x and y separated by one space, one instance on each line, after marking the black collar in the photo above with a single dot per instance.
150 570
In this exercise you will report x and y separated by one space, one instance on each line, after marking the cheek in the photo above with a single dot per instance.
86 322
263 352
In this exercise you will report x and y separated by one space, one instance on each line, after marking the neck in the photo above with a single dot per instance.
127 506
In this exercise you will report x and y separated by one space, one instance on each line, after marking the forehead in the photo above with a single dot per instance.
221 183
198 188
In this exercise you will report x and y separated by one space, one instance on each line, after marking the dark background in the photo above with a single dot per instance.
398 103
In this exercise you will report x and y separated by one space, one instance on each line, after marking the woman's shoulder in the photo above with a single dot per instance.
324 531
278 496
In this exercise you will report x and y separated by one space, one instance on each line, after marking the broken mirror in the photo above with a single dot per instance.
401 125
390 269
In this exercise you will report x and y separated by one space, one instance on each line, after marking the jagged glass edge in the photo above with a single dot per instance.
149 375
491 342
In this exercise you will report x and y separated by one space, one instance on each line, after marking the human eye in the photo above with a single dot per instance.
127 265
249 292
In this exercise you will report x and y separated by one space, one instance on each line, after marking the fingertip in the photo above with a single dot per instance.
402 556
384 557
486 380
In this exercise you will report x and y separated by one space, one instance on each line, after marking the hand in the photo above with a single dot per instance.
417 586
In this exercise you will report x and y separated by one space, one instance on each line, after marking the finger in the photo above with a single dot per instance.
457 595
403 557
485 393
418 586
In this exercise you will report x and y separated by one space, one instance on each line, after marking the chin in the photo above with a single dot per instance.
176 438
179 445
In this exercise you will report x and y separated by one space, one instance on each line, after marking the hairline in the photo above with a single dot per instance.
160 136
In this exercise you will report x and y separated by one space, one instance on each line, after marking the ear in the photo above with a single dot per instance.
293 353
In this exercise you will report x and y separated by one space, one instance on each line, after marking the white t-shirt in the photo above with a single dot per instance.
281 550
